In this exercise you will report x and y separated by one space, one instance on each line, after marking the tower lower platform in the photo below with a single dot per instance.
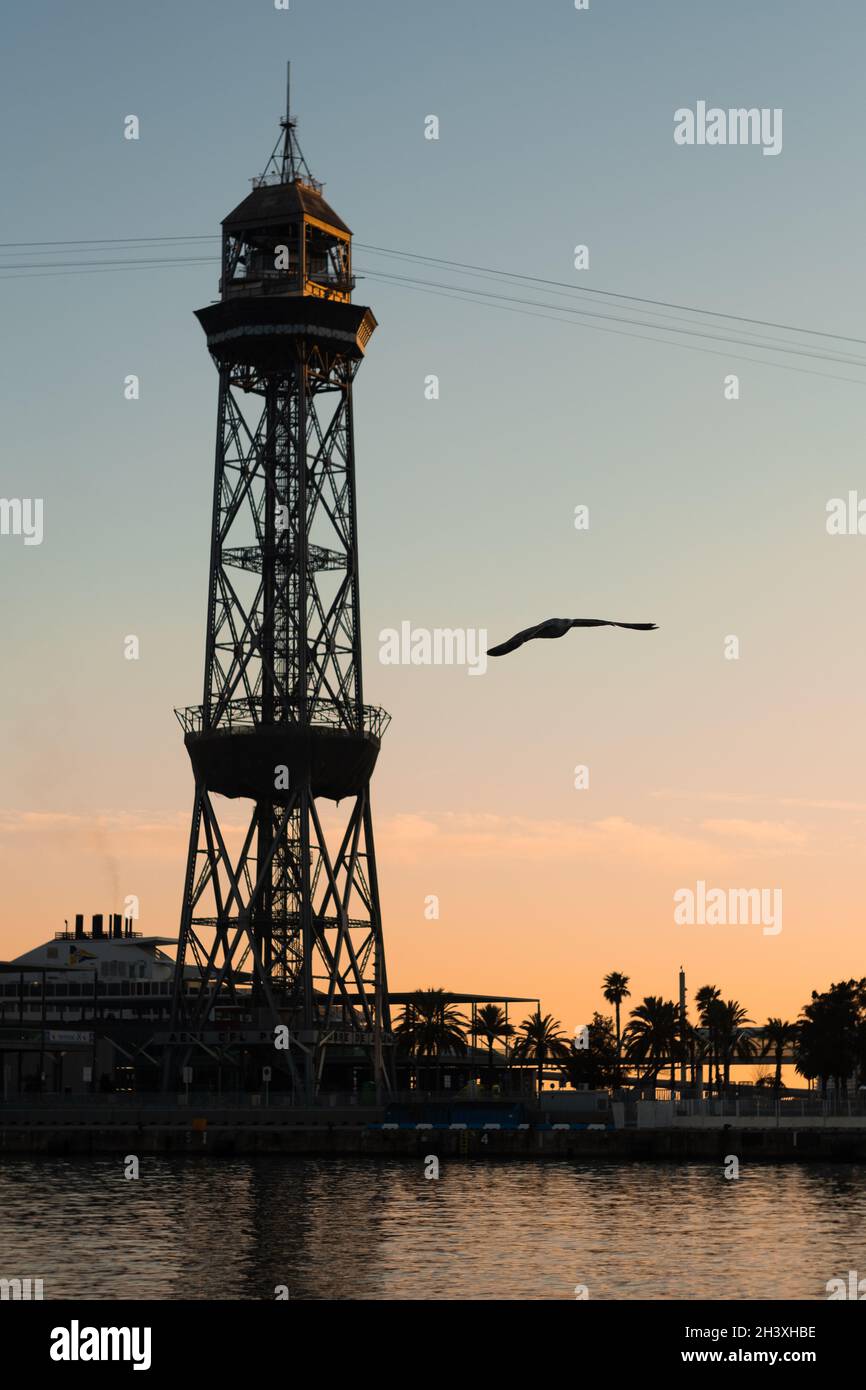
267 763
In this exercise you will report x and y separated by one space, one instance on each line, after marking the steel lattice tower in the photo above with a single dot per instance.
281 922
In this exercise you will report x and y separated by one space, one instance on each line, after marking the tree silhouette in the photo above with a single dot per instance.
615 990
431 1027
542 1042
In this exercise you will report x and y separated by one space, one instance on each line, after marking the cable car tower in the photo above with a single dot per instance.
280 922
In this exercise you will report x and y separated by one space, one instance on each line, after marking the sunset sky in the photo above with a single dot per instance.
707 516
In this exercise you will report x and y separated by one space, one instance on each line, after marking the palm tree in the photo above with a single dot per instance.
706 996
542 1042
615 990
777 1034
727 1020
653 1035
492 1024
431 1027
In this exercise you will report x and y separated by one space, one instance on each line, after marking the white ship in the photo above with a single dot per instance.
59 1004
118 971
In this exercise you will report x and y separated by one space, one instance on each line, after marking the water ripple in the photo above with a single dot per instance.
345 1229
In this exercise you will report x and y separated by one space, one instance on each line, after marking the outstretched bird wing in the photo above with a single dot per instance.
558 627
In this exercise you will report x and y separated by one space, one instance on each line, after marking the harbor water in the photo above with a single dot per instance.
305 1228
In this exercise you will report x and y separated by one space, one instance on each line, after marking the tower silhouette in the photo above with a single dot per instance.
280 929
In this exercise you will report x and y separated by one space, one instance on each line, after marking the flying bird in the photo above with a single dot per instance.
558 627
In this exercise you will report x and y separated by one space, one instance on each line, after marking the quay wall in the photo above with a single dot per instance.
351 1134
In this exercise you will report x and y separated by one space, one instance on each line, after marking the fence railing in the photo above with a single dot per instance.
245 714
264 1096
769 1108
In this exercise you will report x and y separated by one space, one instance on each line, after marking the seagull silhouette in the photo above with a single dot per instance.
558 627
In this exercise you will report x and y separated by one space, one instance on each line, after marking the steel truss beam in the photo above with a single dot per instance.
281 911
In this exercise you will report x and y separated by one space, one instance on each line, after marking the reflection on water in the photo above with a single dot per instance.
345 1228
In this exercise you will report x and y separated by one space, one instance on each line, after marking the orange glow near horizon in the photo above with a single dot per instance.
526 908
